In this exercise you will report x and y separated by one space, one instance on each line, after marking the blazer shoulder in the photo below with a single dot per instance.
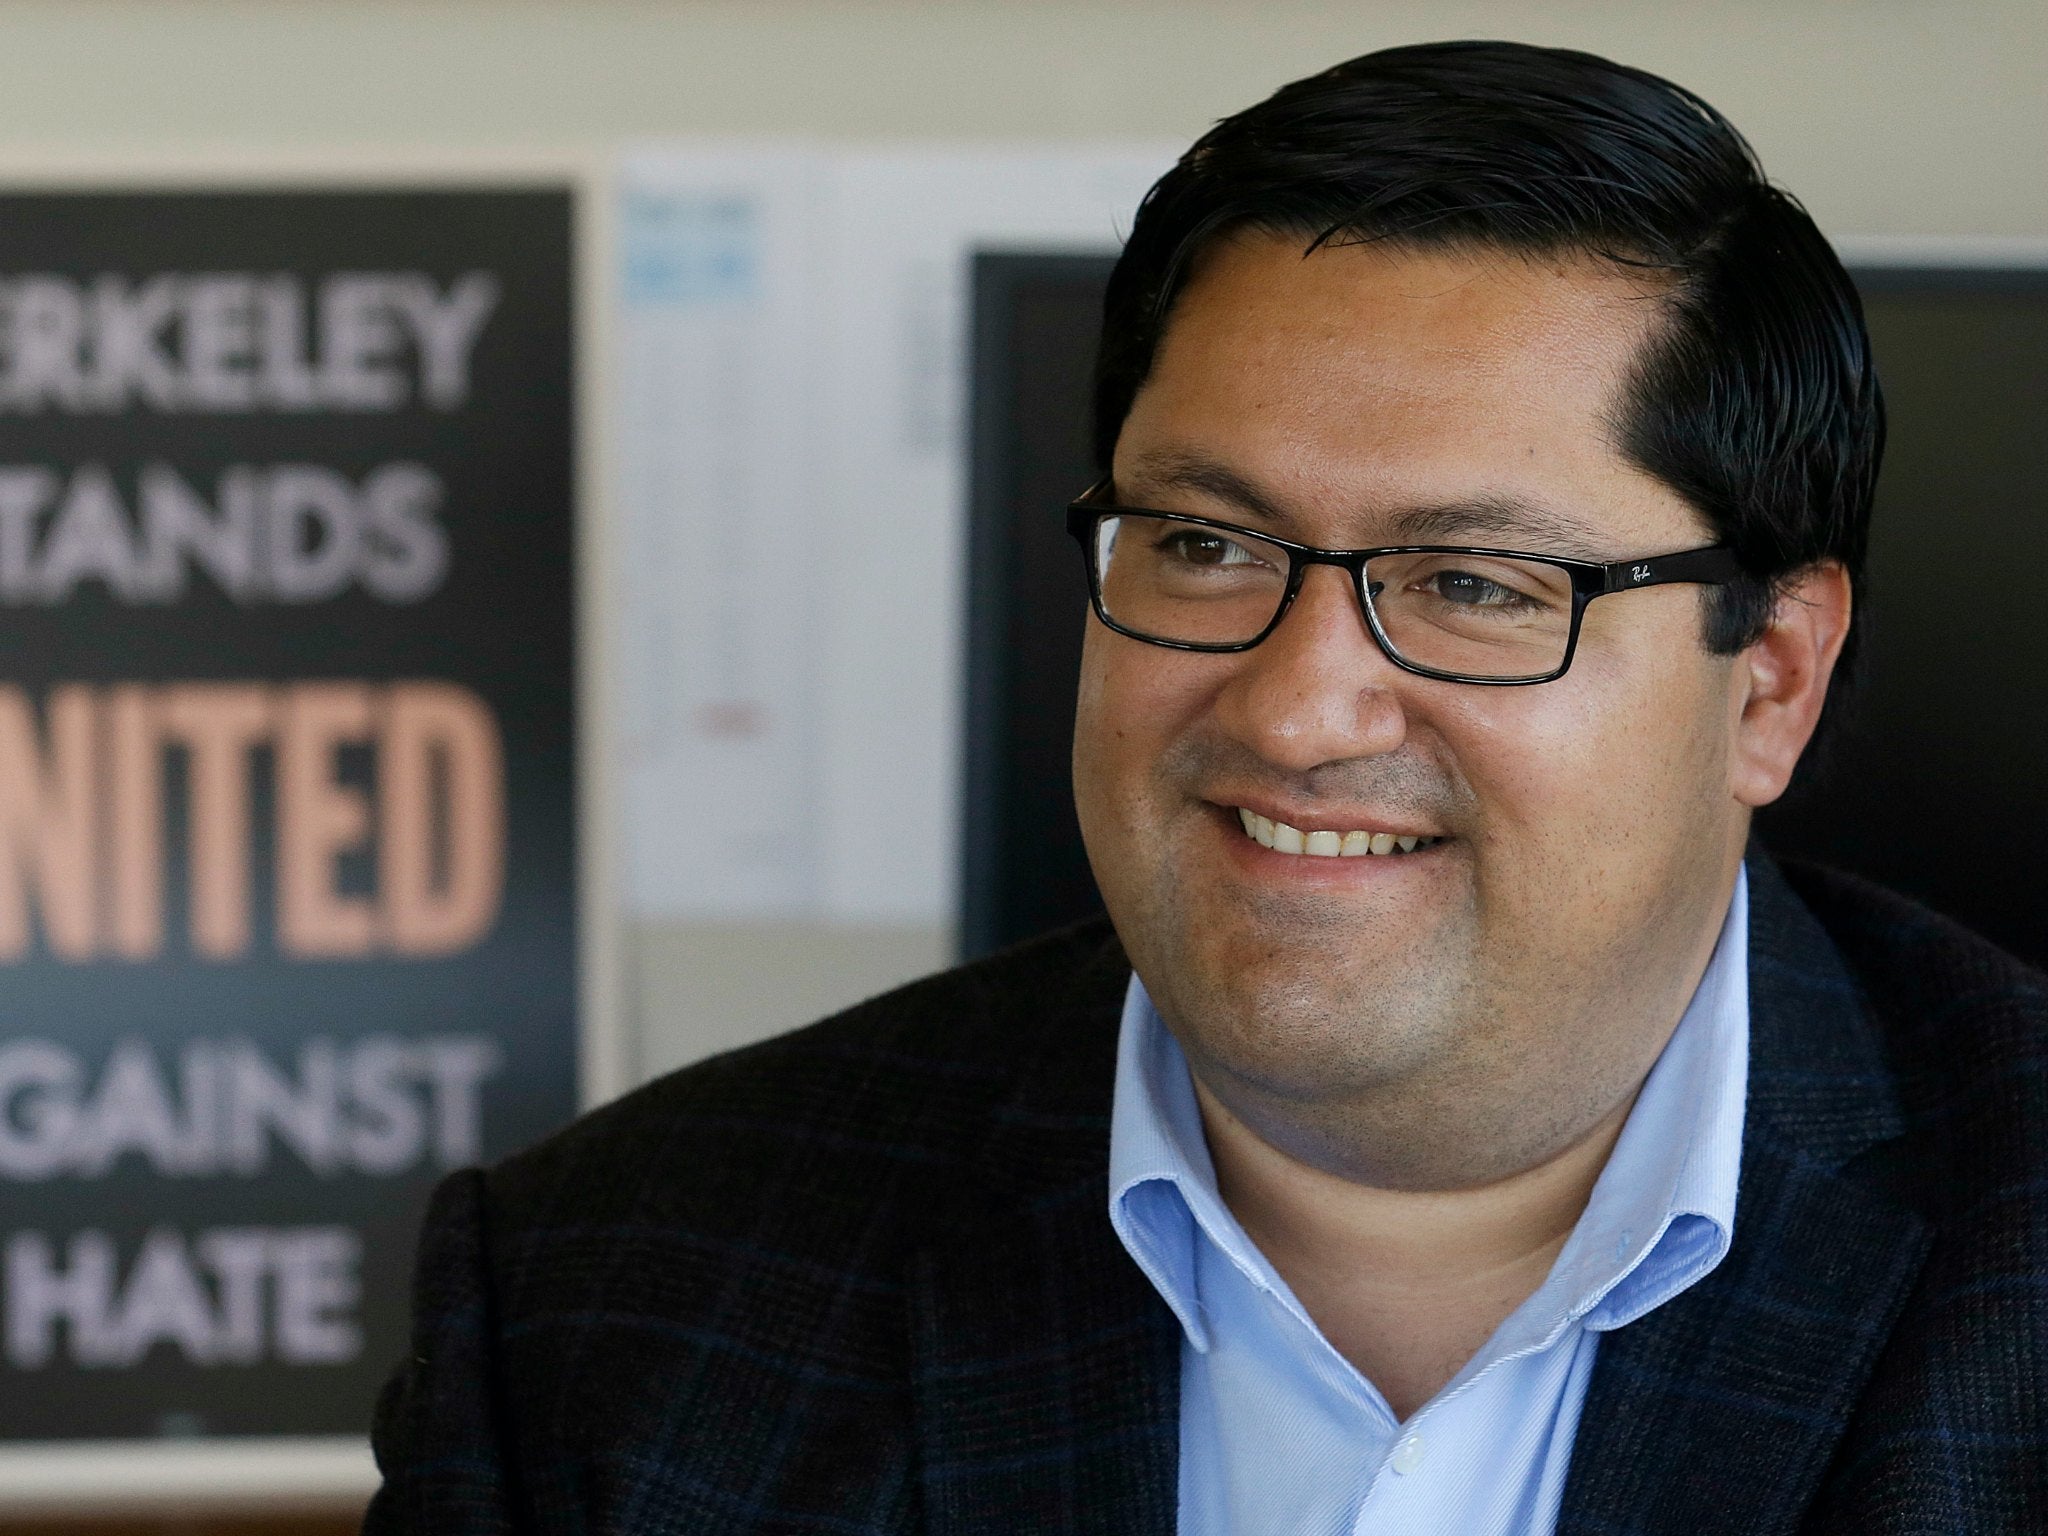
902 1083
1911 959
1963 1026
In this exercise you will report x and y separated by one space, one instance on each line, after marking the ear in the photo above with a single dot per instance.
1778 685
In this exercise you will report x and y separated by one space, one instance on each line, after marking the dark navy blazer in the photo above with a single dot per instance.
861 1279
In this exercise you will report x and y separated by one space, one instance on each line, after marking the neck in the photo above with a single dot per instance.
1406 1284
1435 1231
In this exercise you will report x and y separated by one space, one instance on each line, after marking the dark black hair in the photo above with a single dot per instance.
1758 401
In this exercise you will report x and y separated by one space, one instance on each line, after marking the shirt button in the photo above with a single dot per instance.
1407 1455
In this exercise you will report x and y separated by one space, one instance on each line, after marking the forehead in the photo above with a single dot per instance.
1361 384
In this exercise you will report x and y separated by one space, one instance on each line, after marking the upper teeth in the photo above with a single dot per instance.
1281 838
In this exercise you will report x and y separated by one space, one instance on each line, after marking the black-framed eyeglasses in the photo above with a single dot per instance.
1463 615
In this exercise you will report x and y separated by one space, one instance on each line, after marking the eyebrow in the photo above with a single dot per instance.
1516 520
1174 470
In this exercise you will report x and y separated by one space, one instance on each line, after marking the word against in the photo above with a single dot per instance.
377 1106
83 842
232 1296
283 533
239 341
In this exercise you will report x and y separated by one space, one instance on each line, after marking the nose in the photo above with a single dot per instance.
1318 689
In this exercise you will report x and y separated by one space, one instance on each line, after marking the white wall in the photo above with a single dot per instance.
1885 115
1888 117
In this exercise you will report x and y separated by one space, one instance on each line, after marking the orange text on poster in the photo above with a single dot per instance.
82 817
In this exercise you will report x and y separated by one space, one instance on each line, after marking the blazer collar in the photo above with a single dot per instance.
1718 1412
1819 1086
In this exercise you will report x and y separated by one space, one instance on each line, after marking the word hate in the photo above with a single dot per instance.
231 1297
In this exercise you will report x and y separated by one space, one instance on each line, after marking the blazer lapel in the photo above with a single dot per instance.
1047 1380
1045 1367
1718 1412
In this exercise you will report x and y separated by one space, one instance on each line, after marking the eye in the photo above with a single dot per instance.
1205 546
1468 589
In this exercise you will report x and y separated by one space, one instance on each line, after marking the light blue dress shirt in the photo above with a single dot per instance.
1281 1436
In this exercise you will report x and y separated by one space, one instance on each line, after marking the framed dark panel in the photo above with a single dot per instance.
1932 779
1035 320
1934 783
301 580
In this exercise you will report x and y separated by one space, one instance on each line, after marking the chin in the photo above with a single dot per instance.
1304 1043
1300 1009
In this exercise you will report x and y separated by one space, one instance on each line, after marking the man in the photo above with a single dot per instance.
1456 1132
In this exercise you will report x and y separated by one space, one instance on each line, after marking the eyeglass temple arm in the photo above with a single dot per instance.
1714 567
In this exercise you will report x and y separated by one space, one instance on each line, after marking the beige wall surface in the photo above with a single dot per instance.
1888 117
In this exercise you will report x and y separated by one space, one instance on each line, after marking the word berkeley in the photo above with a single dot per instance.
239 341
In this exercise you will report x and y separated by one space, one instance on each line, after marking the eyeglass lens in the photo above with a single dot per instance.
1472 615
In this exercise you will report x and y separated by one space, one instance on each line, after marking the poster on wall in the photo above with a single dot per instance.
287 797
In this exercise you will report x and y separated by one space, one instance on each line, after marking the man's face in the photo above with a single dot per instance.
1513 979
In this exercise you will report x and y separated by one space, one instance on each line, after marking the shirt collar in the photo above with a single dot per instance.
1660 1217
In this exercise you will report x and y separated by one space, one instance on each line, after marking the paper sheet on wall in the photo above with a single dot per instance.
792 485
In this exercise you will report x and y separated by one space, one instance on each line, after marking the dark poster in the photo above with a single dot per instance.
287 834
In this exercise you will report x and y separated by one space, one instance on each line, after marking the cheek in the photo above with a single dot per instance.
1134 701
1096 738
1119 731
1136 704
1611 760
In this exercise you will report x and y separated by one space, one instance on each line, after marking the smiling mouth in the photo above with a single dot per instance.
1326 844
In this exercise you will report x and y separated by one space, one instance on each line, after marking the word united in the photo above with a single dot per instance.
87 847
